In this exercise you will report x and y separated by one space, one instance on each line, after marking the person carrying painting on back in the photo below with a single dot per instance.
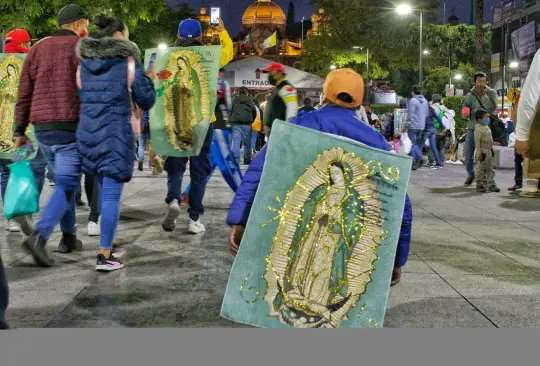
190 35
17 41
344 91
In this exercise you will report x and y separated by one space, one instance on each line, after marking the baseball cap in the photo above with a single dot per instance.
344 81
275 66
190 28
18 36
70 13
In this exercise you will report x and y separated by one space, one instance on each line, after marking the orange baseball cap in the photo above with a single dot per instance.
344 81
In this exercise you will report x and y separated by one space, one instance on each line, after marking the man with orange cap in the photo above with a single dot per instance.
343 91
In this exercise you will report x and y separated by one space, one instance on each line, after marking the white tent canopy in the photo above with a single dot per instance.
248 73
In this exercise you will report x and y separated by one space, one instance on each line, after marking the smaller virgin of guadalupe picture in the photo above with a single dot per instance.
324 248
186 99
10 69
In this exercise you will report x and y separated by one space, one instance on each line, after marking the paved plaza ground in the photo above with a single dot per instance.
475 262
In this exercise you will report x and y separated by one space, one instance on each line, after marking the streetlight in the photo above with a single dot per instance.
406 9
367 70
426 52
162 46
458 77
514 65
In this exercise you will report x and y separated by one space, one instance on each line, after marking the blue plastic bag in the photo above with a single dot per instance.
22 196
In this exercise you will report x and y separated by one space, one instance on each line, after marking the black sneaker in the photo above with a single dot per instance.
141 165
494 189
69 243
481 189
108 264
35 245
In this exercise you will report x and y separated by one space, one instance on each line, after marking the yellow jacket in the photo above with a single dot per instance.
227 54
226 48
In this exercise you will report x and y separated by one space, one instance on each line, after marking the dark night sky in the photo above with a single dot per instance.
232 10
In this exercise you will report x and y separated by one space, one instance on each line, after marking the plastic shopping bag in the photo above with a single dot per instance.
406 144
22 196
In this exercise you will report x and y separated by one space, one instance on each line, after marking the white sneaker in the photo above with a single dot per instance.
169 223
196 227
12 227
94 229
51 183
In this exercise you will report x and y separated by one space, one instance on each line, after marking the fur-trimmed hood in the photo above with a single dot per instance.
106 48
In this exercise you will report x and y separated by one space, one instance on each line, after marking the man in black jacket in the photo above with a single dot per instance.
243 114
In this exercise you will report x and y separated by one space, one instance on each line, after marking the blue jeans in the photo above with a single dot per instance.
38 165
61 205
199 169
241 134
469 152
416 137
253 139
110 192
429 135
142 145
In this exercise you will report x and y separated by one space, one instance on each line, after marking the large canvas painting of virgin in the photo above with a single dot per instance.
321 240
186 88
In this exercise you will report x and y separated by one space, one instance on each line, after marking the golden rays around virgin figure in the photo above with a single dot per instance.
324 249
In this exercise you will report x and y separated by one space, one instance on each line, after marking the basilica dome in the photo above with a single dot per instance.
263 12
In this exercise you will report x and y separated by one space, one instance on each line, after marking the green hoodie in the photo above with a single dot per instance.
489 101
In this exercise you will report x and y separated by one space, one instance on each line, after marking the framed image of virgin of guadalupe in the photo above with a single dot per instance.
10 71
320 243
186 88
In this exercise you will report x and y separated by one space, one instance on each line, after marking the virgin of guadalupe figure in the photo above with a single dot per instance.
9 87
324 251
185 102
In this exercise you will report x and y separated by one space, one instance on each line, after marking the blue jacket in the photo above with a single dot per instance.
418 112
334 120
105 137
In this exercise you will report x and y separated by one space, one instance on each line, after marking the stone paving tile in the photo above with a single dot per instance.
511 312
467 248
433 312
